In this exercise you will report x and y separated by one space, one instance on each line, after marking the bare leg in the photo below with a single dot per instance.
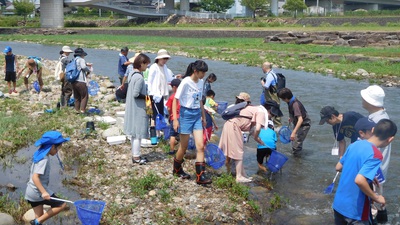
50 213
240 174
183 146
198 139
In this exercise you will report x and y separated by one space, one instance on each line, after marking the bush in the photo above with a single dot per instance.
8 21
79 24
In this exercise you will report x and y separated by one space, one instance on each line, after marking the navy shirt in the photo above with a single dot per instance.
10 63
346 127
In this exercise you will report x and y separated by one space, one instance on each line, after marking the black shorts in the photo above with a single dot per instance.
262 153
172 132
52 203
11 76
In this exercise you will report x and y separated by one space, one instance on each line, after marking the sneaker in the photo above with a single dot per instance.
34 222
141 160
10 91
15 91
171 153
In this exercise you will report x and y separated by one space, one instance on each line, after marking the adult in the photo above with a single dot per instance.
66 87
372 101
159 77
270 89
359 166
136 120
342 125
81 94
231 141
123 63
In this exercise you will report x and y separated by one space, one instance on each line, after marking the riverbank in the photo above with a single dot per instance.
135 194
335 54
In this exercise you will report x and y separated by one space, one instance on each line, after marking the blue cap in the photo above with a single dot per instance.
7 50
364 124
51 138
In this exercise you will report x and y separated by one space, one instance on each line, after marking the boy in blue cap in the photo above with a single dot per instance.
10 69
37 191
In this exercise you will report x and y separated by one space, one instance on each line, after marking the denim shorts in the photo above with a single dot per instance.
189 120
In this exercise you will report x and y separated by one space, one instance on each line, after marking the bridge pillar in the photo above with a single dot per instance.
274 7
185 6
170 4
52 13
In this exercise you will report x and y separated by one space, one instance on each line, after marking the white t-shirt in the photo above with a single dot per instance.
189 93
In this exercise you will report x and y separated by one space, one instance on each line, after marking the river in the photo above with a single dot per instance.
303 179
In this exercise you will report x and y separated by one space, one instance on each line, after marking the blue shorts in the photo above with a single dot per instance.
189 120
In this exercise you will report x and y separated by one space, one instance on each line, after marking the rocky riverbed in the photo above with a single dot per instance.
105 172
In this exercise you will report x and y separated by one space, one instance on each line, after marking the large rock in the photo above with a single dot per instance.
30 215
6 219
113 131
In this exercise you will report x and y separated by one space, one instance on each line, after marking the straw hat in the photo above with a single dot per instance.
244 96
67 49
134 57
374 95
162 53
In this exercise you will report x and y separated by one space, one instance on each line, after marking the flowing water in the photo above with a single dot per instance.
303 179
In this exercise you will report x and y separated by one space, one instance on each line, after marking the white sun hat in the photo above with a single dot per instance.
67 49
162 53
374 95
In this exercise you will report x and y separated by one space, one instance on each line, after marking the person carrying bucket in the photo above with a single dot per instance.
37 191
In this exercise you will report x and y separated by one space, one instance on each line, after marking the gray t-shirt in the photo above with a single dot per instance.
43 169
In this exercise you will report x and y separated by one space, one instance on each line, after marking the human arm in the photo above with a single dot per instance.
362 183
269 80
203 115
296 128
38 184
174 112
214 123
256 134
339 167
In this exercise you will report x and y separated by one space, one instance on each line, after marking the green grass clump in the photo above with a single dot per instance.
141 186
226 181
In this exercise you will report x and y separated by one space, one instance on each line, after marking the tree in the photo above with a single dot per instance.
216 5
294 6
23 8
255 5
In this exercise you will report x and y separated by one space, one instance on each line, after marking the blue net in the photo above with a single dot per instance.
191 144
167 133
89 211
36 86
93 88
161 124
276 161
214 156
221 107
284 134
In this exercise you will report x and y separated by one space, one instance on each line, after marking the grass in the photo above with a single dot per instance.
15 209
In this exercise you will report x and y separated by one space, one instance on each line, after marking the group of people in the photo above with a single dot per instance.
191 108
78 88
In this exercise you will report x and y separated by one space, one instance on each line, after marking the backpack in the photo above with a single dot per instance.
35 58
234 111
71 71
280 83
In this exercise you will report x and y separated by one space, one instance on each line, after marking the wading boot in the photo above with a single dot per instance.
200 176
178 170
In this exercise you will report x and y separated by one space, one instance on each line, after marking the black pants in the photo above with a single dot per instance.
262 153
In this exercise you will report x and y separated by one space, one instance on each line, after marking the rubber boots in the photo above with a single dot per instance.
200 178
178 170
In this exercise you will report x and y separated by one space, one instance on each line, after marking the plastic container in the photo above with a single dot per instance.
221 106
276 161
167 133
153 135
191 144
284 134
214 156
89 211
246 135
161 124
36 86
93 88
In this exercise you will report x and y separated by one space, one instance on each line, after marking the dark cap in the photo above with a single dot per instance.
274 108
175 82
124 49
326 113
80 52
364 124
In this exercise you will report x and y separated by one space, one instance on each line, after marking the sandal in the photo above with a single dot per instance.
141 160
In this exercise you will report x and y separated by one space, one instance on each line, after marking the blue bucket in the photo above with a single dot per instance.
284 134
221 106
191 144
214 156
167 132
276 161
36 86
89 211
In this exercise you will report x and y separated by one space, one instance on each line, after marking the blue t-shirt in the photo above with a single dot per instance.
346 127
268 136
121 66
363 158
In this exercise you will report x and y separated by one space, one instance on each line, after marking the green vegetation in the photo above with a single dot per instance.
217 6
23 8
15 209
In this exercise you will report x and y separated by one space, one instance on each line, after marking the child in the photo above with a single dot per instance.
299 117
210 106
10 68
207 83
192 119
173 134
33 65
37 191
268 137
359 166
364 127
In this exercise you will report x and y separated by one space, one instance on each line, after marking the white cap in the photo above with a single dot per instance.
67 49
